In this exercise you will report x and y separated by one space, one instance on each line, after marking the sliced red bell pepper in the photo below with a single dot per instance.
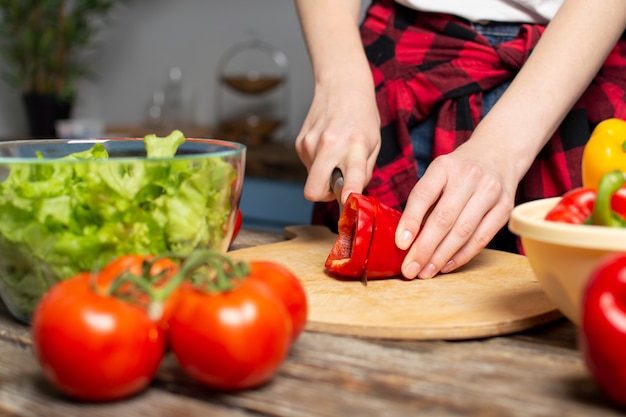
365 247
348 255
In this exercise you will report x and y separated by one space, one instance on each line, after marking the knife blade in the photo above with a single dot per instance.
336 185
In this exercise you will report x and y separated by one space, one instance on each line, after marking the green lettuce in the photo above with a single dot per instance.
62 217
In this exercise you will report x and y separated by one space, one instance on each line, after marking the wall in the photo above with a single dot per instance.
147 37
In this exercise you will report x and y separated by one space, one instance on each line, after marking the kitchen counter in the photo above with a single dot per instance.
534 373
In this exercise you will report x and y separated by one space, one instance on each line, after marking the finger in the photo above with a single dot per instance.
493 221
306 144
356 172
421 199
464 228
319 151
436 226
317 186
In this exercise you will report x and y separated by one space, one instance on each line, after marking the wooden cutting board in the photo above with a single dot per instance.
495 294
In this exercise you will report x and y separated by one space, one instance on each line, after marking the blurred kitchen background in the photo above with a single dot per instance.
194 51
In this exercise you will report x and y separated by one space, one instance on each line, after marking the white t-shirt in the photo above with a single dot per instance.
526 11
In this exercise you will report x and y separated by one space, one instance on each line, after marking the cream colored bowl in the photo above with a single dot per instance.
561 255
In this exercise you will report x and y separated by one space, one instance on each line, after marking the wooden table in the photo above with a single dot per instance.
534 373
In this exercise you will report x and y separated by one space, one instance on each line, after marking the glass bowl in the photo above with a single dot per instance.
61 215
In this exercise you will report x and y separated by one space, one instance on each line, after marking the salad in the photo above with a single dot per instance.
77 213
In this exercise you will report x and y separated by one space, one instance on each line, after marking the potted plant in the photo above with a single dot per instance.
41 42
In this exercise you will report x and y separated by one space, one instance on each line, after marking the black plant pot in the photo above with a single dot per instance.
42 112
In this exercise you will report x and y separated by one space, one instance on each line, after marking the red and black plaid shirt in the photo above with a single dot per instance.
424 63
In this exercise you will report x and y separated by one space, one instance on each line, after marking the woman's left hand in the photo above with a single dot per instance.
455 209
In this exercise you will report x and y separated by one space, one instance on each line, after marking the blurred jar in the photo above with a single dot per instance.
178 104
79 128
156 110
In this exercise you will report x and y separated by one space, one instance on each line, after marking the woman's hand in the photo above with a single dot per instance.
342 129
463 200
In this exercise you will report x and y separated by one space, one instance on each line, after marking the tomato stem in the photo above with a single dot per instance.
139 282
205 269
222 269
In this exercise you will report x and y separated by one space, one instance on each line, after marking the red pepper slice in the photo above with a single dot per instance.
348 255
365 246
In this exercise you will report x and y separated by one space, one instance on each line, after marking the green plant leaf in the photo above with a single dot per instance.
41 42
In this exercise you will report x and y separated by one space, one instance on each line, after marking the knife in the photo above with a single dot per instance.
336 185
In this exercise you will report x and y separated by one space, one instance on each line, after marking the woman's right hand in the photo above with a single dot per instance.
342 129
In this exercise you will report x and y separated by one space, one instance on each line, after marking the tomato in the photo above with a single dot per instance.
287 287
134 264
230 340
93 346
161 270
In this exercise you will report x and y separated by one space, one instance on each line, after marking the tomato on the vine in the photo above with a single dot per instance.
94 346
102 336
230 340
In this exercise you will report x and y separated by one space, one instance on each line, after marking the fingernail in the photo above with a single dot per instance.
448 266
411 270
406 238
428 271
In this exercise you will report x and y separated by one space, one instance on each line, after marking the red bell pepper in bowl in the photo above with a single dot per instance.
575 207
365 247
585 205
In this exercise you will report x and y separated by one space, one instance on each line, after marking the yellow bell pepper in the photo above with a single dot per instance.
604 152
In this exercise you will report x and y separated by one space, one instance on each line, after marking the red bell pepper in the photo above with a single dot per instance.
602 333
606 207
365 247
575 206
